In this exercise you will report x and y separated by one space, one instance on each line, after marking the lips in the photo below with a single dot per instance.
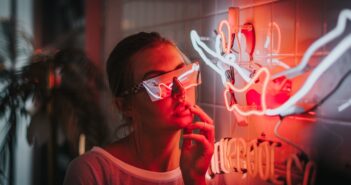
181 110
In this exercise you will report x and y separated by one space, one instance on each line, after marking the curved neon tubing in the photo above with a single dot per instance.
272 166
225 45
343 46
197 43
275 26
214 160
337 31
263 96
240 141
280 63
252 168
223 159
291 159
264 175
288 107
232 147
310 166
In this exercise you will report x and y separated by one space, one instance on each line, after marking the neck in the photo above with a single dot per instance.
156 151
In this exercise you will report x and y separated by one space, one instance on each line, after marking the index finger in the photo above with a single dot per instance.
201 113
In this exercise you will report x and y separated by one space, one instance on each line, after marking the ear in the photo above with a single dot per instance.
123 106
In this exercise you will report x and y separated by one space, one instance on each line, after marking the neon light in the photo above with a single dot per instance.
240 152
235 155
252 169
272 167
289 106
342 47
264 173
225 45
280 63
310 166
275 51
344 106
291 159
243 73
231 154
222 154
199 46
337 31
235 107
275 26
214 162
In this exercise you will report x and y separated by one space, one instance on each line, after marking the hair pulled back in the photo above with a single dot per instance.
119 68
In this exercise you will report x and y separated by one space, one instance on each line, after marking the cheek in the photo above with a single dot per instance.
148 109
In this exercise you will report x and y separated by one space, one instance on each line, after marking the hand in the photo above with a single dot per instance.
196 157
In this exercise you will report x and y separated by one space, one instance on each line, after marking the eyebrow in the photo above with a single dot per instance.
154 73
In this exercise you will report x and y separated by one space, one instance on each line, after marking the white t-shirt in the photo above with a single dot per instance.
100 167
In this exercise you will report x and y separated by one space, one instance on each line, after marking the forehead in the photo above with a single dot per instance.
161 58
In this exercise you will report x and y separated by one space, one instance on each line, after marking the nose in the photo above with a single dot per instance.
178 91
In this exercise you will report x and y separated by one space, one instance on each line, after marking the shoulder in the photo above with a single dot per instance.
89 168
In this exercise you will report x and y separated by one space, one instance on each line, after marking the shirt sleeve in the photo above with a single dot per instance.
79 172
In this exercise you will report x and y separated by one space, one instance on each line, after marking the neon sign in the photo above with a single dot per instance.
223 62
256 159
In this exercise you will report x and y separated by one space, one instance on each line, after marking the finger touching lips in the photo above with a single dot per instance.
199 112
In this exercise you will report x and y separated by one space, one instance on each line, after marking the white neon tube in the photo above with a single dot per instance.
280 63
222 151
197 43
340 49
225 45
214 160
337 31
231 152
289 106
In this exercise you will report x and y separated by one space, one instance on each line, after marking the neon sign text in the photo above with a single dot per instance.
256 159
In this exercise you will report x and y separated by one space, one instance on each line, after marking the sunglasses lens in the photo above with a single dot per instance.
161 87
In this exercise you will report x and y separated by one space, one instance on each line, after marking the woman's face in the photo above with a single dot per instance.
167 113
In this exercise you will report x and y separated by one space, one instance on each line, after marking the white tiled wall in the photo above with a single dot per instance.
301 23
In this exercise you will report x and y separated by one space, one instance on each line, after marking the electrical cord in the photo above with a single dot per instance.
278 124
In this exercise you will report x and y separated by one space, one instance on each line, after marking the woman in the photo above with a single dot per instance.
150 154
